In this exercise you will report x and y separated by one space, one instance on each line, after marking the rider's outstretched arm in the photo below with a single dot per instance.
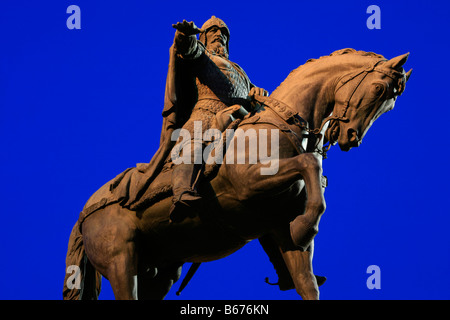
186 44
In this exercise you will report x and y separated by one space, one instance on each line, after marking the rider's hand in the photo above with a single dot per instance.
258 91
187 28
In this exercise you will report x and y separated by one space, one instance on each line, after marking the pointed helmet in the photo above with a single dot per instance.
215 22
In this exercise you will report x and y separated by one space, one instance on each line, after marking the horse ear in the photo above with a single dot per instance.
397 62
408 74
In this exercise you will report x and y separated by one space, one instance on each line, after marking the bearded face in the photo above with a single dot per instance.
217 41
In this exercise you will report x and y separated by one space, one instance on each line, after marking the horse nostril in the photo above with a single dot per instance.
353 136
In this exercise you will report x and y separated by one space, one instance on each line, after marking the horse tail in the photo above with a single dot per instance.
82 281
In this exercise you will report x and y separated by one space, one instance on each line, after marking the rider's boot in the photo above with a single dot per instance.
185 200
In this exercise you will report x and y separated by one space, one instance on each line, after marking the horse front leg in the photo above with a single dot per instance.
293 266
304 227
248 182
299 264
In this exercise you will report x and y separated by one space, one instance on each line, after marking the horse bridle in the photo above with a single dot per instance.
346 104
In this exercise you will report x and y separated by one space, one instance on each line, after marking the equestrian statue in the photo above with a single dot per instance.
234 164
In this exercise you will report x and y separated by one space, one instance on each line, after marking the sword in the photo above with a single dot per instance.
188 276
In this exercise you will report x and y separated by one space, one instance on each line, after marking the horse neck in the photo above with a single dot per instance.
310 88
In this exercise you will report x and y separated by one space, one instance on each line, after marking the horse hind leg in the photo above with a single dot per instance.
85 284
122 274
109 237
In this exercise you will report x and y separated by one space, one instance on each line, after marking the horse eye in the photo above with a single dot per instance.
379 89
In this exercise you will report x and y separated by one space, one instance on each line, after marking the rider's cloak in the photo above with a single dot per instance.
179 99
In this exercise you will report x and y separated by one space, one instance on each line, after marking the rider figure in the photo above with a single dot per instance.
220 84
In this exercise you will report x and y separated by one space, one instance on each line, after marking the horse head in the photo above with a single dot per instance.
362 96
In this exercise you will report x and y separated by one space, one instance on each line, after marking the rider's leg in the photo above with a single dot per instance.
185 180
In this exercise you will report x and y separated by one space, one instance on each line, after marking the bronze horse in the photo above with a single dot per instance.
141 252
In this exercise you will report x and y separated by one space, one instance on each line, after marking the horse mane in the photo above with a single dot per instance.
349 51
333 54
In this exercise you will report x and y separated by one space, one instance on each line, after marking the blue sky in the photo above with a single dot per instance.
77 107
